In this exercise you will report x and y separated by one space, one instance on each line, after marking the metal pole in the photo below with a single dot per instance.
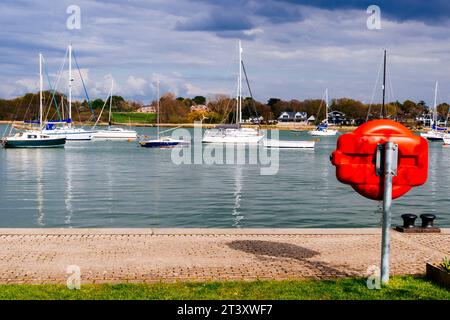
390 158
70 85
240 83
41 88
157 107
383 108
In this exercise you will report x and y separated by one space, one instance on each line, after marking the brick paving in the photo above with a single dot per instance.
150 255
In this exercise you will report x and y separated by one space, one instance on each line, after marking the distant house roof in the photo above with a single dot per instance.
147 109
336 114
287 115
199 107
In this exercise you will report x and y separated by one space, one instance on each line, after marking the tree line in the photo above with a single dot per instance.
219 109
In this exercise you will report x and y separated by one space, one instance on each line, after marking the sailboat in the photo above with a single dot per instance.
53 128
234 133
113 133
34 138
161 141
435 133
322 129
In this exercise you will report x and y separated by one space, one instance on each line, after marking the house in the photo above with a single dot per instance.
311 119
147 109
337 118
425 120
255 120
199 107
292 116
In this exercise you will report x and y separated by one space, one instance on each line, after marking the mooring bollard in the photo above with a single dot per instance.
427 220
409 220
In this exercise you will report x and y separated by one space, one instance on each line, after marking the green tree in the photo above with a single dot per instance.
199 100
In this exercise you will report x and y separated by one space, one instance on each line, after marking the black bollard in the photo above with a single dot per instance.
409 220
427 220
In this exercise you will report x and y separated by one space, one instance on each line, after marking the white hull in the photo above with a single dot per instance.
237 136
115 134
289 144
324 133
71 134
433 135
446 141
233 139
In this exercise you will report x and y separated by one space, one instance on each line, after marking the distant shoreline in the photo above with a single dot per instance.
283 127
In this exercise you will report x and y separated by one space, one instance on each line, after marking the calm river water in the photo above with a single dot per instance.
118 184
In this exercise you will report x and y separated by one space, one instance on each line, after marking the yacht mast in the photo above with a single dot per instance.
41 85
326 106
110 102
240 84
70 85
62 106
157 107
435 104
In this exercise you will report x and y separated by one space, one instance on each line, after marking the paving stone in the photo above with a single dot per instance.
152 255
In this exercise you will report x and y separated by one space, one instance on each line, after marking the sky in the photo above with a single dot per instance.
291 49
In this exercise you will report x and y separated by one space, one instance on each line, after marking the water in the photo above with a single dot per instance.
118 184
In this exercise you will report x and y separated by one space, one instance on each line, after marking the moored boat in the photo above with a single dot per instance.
112 133
435 133
234 133
165 142
115 133
32 139
64 128
162 142
322 129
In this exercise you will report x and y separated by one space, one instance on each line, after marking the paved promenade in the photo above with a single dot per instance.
148 255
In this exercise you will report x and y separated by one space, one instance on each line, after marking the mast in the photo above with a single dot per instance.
41 85
383 110
110 102
157 109
326 106
62 106
70 85
435 104
240 85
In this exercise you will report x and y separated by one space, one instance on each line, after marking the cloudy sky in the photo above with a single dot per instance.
292 49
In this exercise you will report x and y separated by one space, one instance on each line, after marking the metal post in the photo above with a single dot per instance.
390 168
70 85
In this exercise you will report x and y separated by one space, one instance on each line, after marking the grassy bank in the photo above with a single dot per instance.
133 117
402 287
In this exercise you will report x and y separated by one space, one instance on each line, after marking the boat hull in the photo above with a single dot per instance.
325 133
70 135
112 135
162 144
256 139
280 144
431 136
37 143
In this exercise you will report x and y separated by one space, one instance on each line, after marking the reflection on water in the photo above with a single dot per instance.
237 217
39 188
117 184
68 190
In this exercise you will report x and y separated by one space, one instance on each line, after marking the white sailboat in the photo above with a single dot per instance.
113 133
322 129
162 141
234 133
64 128
446 139
34 138
435 133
